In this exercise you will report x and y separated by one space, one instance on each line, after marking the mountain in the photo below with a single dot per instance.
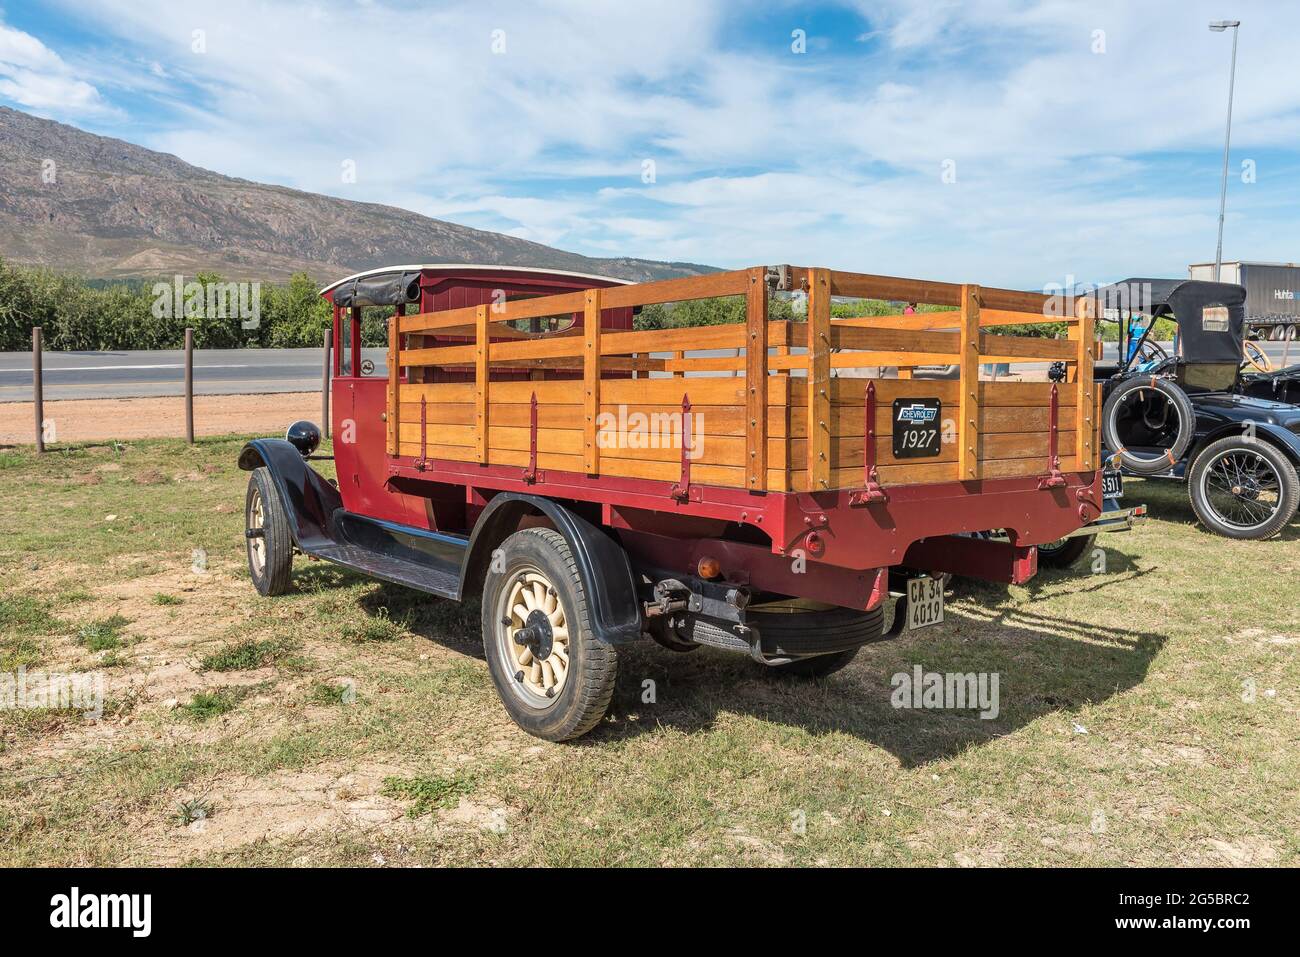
116 210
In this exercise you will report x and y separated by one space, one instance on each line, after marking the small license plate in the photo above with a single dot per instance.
1112 484
916 428
924 602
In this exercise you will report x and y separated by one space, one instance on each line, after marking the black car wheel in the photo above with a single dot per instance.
1152 414
1065 552
1243 488
553 675
267 538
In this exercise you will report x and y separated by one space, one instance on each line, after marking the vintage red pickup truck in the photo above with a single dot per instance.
757 487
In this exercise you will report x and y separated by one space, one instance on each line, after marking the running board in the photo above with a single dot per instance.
416 558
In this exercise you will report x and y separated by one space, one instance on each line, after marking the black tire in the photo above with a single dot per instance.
1064 552
531 557
1179 405
818 666
821 642
1269 488
270 554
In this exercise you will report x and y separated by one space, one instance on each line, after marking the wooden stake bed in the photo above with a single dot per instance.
782 409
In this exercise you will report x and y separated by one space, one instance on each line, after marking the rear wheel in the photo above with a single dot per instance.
554 677
1245 489
267 538
1064 552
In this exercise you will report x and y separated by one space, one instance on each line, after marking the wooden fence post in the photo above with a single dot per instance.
38 390
325 381
968 406
189 386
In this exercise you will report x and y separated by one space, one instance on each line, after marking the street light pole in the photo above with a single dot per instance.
1218 26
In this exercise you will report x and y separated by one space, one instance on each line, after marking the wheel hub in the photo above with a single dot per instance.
534 637
537 635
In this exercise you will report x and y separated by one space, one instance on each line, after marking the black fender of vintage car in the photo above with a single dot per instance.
308 498
613 605
1221 416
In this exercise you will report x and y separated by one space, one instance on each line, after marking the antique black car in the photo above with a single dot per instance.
1197 414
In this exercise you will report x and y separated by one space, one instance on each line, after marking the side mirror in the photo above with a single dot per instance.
303 436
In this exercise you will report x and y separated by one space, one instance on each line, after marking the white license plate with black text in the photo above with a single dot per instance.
924 602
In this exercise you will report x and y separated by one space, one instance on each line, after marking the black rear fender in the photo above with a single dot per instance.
615 609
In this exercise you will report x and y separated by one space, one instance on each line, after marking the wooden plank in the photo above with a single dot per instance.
947 319
481 382
445 319
851 391
866 286
944 344
591 380
547 348
1083 332
756 381
732 283
819 377
968 404
394 372
440 355
1037 348
847 451
672 340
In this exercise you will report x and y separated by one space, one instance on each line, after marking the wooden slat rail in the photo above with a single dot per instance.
756 381
763 429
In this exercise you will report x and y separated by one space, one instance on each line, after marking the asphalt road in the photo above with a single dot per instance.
120 375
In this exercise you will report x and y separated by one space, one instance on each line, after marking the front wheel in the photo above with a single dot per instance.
267 538
554 677
1243 488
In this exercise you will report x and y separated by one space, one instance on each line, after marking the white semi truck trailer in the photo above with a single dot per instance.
1272 295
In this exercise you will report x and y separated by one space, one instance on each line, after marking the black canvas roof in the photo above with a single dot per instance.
1211 316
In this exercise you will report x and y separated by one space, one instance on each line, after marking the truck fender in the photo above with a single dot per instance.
615 609
1270 432
308 498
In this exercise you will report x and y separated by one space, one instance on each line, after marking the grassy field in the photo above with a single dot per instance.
1148 713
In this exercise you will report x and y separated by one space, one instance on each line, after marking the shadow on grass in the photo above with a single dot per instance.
1046 664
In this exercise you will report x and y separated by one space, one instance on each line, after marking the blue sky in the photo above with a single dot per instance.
1008 142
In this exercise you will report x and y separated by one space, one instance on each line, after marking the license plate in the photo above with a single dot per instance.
924 602
916 428
1112 484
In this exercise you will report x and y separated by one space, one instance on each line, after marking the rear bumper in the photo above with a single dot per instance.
1114 520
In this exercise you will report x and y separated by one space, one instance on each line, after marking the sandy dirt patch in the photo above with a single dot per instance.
97 420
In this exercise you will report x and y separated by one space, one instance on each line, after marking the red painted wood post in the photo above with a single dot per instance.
38 393
189 386
325 383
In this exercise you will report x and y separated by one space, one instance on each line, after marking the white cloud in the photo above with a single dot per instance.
33 75
831 156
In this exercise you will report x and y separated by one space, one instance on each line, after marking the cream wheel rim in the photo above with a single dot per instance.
257 520
534 638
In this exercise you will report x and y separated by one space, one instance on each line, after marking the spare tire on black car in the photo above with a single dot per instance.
1149 413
